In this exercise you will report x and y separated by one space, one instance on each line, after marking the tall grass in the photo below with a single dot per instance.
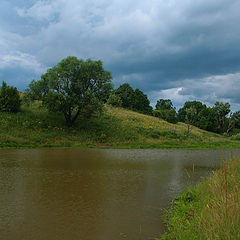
210 210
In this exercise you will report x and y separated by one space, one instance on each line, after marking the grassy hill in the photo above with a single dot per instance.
116 128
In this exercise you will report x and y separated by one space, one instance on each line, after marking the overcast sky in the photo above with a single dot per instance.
177 49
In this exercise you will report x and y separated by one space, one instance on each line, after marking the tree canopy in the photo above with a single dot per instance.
198 106
135 100
126 93
141 102
165 111
222 110
164 104
73 87
213 119
9 98
167 115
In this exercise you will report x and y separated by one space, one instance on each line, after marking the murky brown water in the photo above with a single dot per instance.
76 194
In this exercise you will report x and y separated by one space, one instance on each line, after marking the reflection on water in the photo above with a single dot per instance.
94 194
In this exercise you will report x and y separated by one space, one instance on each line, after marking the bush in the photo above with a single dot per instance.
236 137
9 98
115 100
167 115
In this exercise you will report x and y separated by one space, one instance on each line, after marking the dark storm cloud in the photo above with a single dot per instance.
166 48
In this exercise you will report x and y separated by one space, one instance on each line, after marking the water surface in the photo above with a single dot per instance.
68 194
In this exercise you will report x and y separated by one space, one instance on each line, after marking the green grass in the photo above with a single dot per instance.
211 210
116 128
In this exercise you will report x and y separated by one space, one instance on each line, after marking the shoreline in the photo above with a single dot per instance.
102 146
209 210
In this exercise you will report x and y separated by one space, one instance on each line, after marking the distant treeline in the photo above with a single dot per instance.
77 87
218 118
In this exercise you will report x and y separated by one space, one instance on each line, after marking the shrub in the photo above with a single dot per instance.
236 137
167 115
9 98
114 100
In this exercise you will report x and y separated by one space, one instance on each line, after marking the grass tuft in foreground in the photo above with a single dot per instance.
211 210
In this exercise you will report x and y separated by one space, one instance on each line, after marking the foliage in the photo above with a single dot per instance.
105 92
9 98
74 87
190 117
141 102
37 89
133 100
213 119
35 126
167 115
127 95
237 119
114 100
222 110
164 104
198 106
207 119
236 137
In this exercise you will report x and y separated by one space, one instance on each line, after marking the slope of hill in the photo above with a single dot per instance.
116 128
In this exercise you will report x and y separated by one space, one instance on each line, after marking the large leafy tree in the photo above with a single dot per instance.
135 100
164 104
207 119
222 110
141 102
127 95
204 117
74 87
198 106
165 110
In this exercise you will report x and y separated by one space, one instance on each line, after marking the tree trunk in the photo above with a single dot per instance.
76 116
67 119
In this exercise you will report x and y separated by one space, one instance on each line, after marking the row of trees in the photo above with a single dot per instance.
79 88
218 118
126 97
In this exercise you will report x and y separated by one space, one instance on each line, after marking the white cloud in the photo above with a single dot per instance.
41 10
208 90
171 93
116 30
22 60
153 44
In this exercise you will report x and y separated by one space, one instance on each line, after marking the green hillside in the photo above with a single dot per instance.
116 128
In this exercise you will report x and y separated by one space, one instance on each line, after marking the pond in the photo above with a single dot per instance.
94 194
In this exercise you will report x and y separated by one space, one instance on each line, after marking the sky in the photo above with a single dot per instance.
182 50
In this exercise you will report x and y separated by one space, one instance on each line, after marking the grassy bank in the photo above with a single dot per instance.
116 128
211 210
